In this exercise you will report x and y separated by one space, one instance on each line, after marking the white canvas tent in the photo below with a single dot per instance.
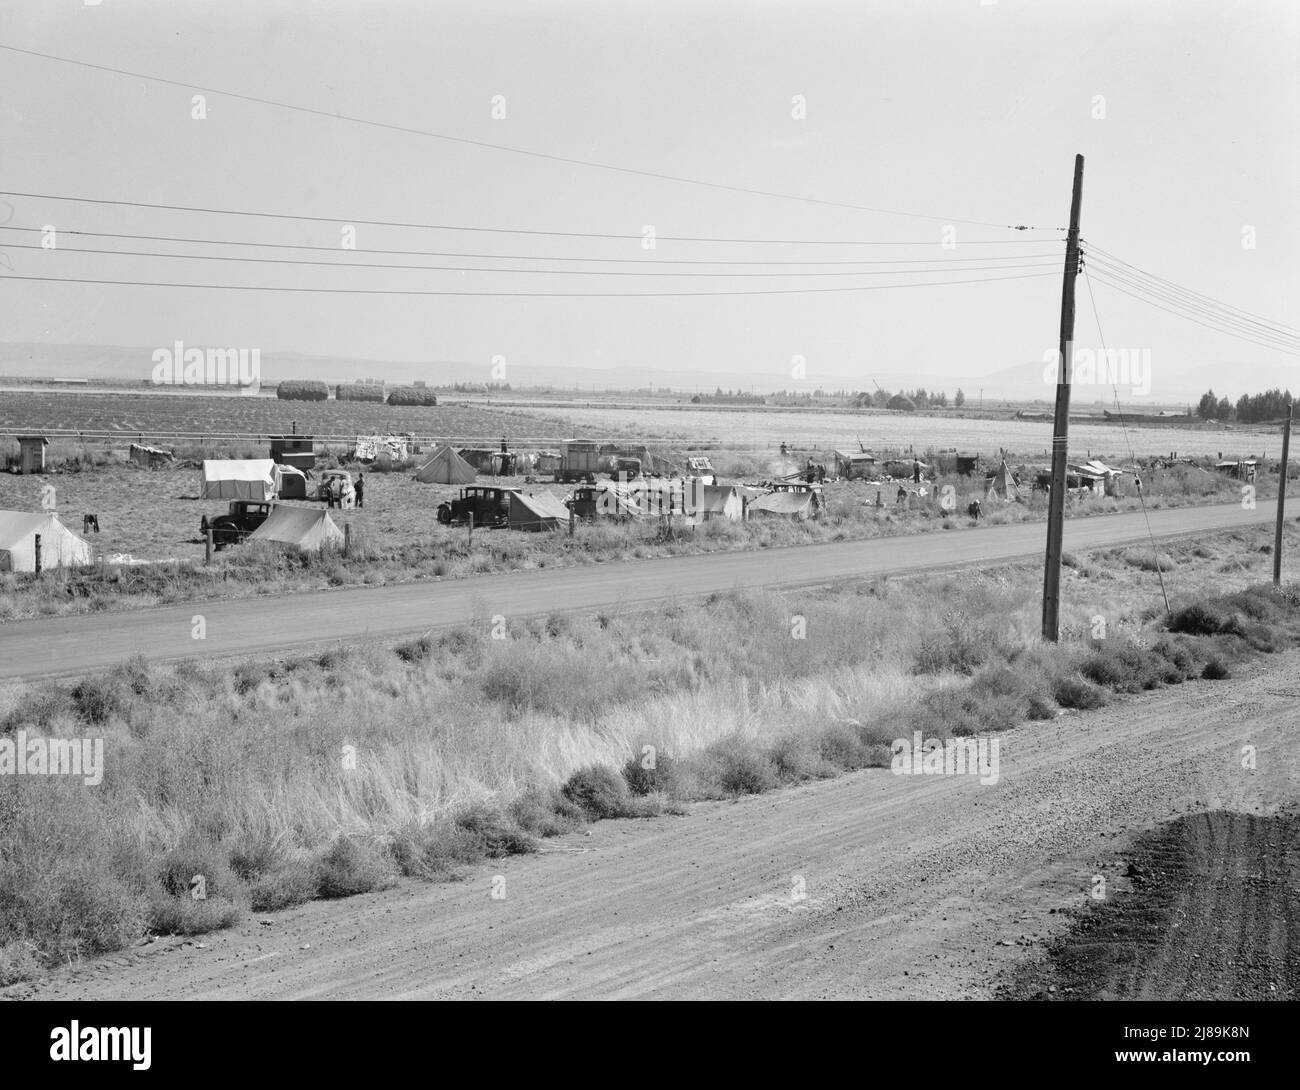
60 547
243 479
445 466
307 529
541 511
1002 485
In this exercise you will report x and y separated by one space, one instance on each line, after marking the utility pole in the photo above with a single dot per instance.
1061 423
1281 494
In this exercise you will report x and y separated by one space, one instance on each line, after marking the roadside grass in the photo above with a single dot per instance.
269 783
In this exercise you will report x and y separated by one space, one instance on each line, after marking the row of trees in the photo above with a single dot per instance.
907 400
1250 408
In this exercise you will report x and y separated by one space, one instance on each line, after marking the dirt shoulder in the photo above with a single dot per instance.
1213 913
872 885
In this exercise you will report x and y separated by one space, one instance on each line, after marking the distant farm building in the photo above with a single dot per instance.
59 547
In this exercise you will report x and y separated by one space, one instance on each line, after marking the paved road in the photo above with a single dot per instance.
74 645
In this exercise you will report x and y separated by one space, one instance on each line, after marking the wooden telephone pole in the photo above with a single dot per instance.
1281 494
1061 424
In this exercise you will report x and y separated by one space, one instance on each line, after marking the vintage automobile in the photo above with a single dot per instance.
489 506
240 520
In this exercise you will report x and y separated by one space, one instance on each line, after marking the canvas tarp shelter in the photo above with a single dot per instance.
799 505
540 512
60 547
445 466
1002 485
244 479
705 502
308 529
149 457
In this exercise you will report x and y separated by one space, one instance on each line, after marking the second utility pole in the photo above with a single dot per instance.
1281 494
1061 424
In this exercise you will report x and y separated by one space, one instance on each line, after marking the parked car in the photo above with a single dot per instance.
489 506
240 520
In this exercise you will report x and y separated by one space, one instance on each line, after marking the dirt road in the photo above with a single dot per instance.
76 645
912 886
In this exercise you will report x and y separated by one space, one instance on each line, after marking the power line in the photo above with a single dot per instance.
335 221
514 294
1251 325
1242 325
1096 315
335 249
515 151
1288 349
1196 294
1040 264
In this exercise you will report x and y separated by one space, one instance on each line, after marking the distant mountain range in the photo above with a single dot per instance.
1020 383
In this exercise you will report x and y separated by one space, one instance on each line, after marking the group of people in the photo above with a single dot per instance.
344 493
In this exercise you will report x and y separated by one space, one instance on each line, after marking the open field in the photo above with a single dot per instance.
827 429
162 416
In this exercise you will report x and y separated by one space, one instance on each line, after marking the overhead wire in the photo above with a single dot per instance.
523 295
364 222
567 160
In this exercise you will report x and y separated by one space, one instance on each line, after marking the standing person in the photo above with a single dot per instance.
916 471
361 489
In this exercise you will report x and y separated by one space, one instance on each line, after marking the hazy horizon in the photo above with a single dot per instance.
947 112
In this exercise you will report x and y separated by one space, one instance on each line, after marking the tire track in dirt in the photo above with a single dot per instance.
916 887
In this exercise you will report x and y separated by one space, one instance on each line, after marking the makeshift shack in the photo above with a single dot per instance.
60 547
293 450
445 466
304 529
242 479
705 502
1242 468
150 457
31 453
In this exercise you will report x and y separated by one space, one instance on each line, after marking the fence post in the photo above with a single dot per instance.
347 539
470 536
207 545
38 554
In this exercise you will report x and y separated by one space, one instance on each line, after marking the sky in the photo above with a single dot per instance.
947 110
